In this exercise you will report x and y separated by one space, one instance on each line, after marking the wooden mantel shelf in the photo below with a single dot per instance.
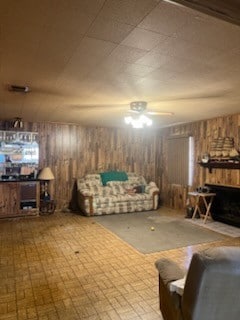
220 165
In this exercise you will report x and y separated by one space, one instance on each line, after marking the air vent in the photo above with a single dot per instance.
15 88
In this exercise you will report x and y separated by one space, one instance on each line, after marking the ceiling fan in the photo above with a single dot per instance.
137 107
140 107
140 120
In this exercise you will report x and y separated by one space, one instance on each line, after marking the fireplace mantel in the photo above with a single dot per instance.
223 185
220 165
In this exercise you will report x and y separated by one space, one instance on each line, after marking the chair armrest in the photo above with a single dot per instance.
170 302
169 270
177 286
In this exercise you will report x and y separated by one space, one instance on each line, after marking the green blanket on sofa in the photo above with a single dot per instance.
113 176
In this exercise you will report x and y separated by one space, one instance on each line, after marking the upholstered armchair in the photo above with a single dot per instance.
212 286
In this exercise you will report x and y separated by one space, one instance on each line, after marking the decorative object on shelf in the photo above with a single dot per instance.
234 154
205 158
220 148
203 189
222 155
9 136
46 176
17 123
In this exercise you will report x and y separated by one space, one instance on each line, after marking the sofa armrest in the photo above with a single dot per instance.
82 203
155 197
151 188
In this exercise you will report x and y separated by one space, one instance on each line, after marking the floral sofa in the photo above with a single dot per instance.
132 194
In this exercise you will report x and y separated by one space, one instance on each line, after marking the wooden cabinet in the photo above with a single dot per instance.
29 197
19 198
9 199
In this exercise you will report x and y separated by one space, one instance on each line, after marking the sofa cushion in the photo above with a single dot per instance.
125 184
117 189
136 179
84 183
116 183
100 200
92 176
98 190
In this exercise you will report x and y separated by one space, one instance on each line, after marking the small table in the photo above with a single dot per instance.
47 206
204 196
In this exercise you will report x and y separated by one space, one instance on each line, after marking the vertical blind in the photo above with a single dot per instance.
178 160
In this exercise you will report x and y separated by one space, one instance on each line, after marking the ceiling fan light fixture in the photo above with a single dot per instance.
138 106
138 122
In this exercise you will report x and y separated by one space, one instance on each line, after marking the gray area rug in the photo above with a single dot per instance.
153 232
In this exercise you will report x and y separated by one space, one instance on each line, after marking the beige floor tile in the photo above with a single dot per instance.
66 267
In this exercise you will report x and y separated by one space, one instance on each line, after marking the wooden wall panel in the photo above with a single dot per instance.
72 151
203 132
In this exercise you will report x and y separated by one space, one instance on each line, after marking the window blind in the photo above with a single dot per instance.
179 164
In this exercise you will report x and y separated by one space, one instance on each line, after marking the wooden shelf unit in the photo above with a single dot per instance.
19 198
220 165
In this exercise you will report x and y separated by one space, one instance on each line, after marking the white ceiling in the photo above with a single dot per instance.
86 60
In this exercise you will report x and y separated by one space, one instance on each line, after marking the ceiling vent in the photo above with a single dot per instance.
14 88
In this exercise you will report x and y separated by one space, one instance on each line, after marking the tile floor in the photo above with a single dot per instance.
217 226
64 266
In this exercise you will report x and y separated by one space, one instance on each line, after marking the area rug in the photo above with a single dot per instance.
151 231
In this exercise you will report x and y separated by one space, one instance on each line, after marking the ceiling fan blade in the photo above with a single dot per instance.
194 96
153 113
133 111
80 107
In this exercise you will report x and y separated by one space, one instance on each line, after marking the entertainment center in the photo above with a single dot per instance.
19 160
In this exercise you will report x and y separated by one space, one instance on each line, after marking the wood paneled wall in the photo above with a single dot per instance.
72 151
203 132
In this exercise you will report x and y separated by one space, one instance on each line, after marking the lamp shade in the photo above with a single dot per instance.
46 174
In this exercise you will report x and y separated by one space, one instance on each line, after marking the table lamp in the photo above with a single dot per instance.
45 176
